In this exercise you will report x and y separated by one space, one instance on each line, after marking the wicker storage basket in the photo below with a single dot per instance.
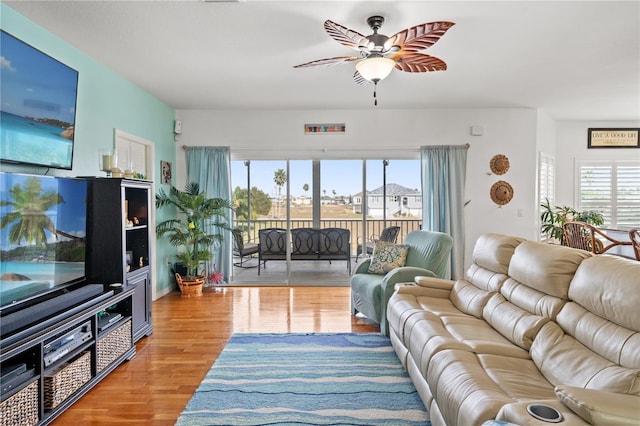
60 383
190 288
21 408
114 344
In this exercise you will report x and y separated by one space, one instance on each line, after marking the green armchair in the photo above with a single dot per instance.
428 255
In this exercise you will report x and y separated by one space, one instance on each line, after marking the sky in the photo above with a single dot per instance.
343 176
34 84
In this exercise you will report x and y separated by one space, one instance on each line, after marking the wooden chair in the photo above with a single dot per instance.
634 236
389 234
242 250
587 237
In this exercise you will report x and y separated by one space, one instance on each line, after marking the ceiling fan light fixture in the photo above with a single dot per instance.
375 68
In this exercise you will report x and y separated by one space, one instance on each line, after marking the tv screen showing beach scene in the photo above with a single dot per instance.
38 107
43 224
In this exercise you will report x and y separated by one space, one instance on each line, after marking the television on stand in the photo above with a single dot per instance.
43 228
38 109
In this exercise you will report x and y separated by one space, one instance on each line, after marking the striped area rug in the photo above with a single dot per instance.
306 379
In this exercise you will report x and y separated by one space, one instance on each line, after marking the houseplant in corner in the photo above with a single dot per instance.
553 218
190 231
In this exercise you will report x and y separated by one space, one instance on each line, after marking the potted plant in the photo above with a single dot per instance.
189 231
553 218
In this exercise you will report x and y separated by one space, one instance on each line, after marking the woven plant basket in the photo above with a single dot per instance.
190 288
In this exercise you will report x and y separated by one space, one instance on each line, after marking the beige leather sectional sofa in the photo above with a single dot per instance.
531 324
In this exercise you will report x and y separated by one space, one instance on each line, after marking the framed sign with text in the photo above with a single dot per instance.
614 138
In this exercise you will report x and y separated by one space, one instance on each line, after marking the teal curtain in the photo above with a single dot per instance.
443 179
210 167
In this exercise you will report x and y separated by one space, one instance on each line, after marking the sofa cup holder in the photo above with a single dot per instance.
544 413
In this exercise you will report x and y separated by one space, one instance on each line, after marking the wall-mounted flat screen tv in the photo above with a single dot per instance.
43 226
38 106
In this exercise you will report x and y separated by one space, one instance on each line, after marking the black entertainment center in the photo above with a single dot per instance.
72 309
76 263
46 372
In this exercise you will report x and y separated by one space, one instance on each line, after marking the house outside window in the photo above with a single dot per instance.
401 201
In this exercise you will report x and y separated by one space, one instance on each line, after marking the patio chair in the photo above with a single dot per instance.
587 237
428 255
243 250
634 236
389 234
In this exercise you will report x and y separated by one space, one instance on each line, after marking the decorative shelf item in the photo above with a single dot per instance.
499 164
314 129
501 192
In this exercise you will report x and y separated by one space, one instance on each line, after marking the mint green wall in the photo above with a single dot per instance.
105 101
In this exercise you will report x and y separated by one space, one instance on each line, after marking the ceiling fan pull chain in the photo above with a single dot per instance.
375 97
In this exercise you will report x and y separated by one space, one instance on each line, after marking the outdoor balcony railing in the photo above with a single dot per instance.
374 227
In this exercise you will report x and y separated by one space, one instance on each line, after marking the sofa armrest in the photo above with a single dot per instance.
600 407
398 275
425 286
402 275
418 291
434 282
516 413
363 266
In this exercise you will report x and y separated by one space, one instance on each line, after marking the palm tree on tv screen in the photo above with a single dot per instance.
28 218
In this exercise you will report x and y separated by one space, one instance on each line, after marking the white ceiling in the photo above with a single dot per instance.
577 60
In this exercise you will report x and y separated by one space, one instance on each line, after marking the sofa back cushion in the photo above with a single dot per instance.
493 252
491 256
514 323
604 313
609 286
532 300
469 298
547 268
609 340
595 342
563 360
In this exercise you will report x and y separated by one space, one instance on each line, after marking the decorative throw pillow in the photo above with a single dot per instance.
387 256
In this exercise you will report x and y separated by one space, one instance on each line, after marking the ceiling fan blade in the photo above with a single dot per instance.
359 79
327 62
418 37
347 37
418 62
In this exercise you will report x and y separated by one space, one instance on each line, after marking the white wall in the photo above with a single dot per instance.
389 134
572 147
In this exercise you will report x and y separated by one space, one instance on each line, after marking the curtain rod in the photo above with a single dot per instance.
468 145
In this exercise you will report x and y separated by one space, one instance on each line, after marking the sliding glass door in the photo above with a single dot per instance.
322 194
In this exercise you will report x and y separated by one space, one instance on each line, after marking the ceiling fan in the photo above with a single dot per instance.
379 54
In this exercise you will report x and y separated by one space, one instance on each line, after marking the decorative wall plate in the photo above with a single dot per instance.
499 164
501 192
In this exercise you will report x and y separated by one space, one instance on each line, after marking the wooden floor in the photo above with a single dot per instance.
155 386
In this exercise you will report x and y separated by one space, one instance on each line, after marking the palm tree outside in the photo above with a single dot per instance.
280 178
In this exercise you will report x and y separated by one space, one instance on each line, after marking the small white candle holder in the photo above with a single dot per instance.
107 160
